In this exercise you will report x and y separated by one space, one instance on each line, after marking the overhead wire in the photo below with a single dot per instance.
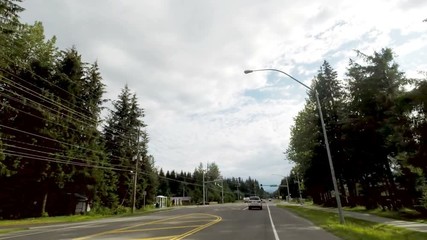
23 88
48 138
27 99
59 105
36 157
63 156
28 69
70 110
84 164
44 98
56 123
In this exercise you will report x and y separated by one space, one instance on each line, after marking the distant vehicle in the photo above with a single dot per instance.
246 199
255 202
269 199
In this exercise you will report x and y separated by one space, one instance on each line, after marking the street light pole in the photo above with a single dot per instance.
222 186
331 166
287 186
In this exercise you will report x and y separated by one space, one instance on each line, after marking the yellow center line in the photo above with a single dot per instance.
187 221
159 238
120 229
217 220
193 215
198 217
156 229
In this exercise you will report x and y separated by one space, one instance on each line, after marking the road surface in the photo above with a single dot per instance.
225 221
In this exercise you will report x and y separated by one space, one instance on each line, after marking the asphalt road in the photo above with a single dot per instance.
227 221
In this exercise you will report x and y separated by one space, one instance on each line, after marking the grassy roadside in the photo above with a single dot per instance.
69 219
403 214
355 228
60 219
9 230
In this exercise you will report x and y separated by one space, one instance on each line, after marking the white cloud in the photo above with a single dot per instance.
185 61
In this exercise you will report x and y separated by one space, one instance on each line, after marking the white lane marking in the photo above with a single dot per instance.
272 224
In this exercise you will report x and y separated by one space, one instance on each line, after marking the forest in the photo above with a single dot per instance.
57 149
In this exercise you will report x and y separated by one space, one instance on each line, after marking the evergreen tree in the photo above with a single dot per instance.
123 133
373 89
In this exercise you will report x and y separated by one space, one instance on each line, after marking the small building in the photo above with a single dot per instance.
161 201
81 204
179 201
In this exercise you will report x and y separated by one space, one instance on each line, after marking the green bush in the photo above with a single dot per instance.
122 210
100 210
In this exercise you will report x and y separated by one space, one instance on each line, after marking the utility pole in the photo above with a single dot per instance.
135 177
237 187
203 172
287 187
299 189
222 190
206 188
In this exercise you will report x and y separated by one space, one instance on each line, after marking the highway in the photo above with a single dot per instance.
224 221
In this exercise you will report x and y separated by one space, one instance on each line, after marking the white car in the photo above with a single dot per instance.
255 202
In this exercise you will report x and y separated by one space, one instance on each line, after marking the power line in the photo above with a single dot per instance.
44 98
21 101
51 109
43 79
48 159
35 157
28 68
57 155
47 138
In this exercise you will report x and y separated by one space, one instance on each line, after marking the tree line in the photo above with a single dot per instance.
217 188
57 150
375 119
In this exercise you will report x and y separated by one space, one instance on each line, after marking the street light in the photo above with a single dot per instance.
222 186
328 151
222 190
287 186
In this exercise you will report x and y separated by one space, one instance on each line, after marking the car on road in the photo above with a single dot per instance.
254 202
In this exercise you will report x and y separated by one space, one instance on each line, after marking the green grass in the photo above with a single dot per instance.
72 218
42 220
8 226
403 214
355 229
9 230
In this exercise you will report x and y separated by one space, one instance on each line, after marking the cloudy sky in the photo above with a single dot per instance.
185 61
